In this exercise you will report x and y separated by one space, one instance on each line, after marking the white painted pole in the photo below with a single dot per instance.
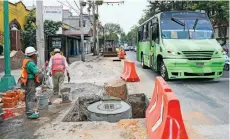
40 33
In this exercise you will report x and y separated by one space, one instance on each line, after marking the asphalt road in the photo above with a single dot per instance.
204 103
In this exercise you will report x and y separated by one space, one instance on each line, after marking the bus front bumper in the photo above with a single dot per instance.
183 68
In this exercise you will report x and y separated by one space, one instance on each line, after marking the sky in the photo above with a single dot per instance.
127 14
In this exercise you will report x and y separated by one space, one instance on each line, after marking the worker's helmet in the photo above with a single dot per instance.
30 51
57 50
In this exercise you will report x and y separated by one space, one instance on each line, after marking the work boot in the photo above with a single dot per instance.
34 115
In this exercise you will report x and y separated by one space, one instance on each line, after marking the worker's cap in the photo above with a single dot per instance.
57 50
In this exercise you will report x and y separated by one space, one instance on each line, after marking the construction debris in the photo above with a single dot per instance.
139 104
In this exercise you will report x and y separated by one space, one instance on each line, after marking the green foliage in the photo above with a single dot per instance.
112 31
132 36
123 38
29 33
112 36
51 27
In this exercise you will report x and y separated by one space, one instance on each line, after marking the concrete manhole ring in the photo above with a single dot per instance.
111 111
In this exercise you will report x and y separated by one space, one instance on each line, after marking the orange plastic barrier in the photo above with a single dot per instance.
163 115
129 72
121 55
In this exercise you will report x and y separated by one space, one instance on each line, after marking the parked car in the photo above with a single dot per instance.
135 49
126 48
131 48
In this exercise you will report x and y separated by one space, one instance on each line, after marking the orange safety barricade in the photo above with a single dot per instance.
163 115
121 55
129 72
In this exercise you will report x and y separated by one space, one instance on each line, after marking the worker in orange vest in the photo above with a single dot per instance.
57 67
29 80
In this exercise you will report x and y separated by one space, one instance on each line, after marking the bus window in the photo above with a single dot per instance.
144 34
155 35
173 30
140 34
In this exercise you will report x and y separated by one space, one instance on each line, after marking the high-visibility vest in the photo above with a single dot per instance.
58 63
24 73
52 53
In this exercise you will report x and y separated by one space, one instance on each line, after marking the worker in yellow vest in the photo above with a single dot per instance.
29 80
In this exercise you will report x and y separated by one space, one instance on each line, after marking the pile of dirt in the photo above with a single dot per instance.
139 103
89 70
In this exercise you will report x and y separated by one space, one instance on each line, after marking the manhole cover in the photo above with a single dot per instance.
111 111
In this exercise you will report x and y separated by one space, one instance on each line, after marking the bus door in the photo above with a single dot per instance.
154 43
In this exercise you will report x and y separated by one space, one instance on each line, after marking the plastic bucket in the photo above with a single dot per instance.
42 101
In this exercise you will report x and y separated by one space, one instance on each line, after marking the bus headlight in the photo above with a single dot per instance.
171 52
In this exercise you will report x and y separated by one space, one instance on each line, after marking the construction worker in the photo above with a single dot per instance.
57 67
29 80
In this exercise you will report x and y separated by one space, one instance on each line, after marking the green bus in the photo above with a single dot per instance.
180 44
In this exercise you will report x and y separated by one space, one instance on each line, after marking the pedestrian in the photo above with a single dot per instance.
57 67
30 80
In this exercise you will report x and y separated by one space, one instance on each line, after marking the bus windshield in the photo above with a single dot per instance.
173 30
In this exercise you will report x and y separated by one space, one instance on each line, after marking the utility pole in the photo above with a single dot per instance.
94 30
40 33
97 44
7 80
82 35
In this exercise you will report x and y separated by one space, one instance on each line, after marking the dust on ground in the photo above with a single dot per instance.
87 78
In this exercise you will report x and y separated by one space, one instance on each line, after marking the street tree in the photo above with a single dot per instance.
123 38
112 36
28 35
132 36
112 31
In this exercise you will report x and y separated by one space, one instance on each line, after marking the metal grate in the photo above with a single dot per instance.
198 55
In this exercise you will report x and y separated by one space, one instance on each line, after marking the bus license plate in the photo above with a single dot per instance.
199 64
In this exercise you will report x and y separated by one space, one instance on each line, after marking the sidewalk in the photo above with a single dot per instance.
16 73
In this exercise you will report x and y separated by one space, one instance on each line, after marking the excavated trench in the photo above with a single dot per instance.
91 104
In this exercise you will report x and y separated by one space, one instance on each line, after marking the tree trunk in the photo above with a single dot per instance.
116 88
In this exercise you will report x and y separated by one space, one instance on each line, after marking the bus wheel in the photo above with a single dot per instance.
142 62
163 71
226 67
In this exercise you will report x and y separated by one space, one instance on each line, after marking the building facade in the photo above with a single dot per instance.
75 28
74 21
17 17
